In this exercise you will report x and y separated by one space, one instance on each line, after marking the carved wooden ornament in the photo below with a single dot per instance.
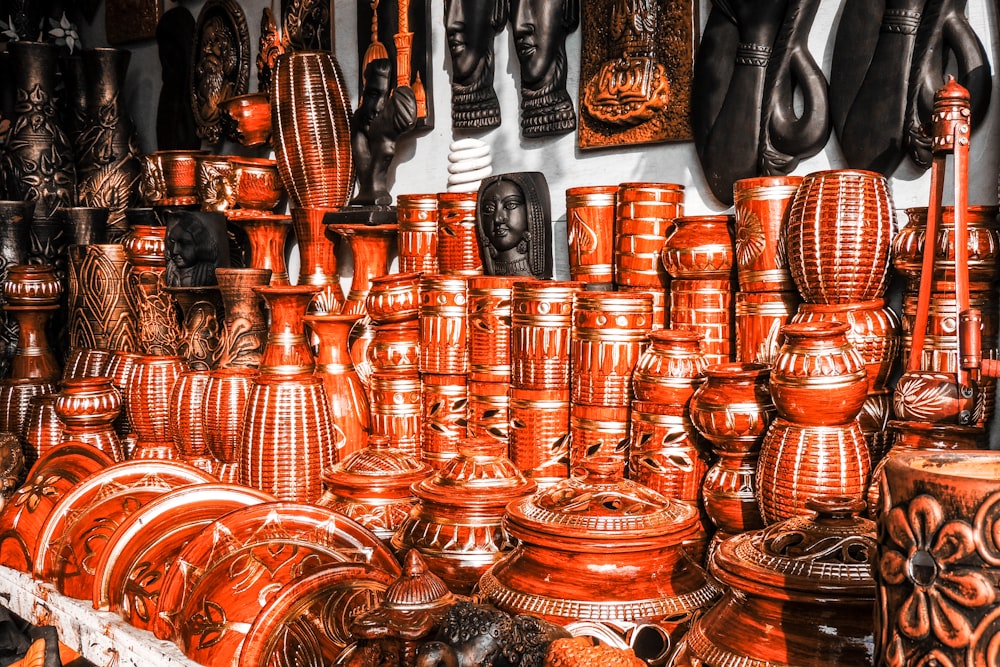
220 64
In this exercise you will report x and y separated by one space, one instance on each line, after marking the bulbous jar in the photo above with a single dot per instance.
700 247
733 410
605 552
669 369
818 379
456 524
372 486
983 243
799 592
87 408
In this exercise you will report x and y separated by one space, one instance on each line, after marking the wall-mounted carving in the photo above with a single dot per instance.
306 25
470 27
220 66
636 68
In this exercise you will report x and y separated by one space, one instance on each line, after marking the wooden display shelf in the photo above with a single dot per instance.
101 637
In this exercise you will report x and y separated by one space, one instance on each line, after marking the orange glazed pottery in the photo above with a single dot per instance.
417 216
590 228
87 407
646 212
598 550
457 249
761 207
456 524
699 247
251 116
799 592
983 243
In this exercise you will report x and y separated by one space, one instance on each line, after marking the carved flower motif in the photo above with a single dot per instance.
926 553
750 239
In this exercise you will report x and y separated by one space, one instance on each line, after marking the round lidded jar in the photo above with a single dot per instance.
796 590
602 549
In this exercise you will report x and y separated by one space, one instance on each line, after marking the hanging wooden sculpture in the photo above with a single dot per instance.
306 25
220 64
636 68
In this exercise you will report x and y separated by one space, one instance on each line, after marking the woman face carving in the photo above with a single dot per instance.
505 214
538 36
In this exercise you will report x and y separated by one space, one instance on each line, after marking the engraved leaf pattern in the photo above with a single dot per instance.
581 236
919 399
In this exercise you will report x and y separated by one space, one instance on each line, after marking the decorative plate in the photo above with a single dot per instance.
230 571
51 477
308 622
220 64
75 533
130 570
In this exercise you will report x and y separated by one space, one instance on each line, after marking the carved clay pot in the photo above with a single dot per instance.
646 212
700 247
147 399
86 225
417 216
268 234
222 416
590 223
761 208
258 188
395 349
396 410
937 551
540 335
839 229
443 417
370 250
456 524
443 325
457 249
705 305
201 325
15 242
251 117
759 317
317 258
539 433
42 428
287 351
31 293
637 542
186 425
669 370
373 486
983 246
489 326
732 409
87 408
819 378
394 298
172 177
101 307
789 599
245 319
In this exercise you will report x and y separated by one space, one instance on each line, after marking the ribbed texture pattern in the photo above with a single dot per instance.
310 121
222 415
85 362
539 432
541 330
418 239
645 216
42 428
396 410
489 328
457 248
443 325
839 232
15 397
147 397
287 439
705 306
187 425
802 462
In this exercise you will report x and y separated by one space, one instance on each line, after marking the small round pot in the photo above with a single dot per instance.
394 298
251 117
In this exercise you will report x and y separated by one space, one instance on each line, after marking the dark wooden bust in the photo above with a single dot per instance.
540 28
196 244
470 27
514 225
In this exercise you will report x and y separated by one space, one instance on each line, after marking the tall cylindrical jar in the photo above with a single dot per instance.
457 249
417 216
590 229
761 208
645 213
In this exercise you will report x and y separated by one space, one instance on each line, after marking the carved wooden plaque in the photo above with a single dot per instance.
636 69
399 30
306 25
220 63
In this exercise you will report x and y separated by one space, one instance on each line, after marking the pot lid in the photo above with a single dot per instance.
832 552
601 505
481 475
374 470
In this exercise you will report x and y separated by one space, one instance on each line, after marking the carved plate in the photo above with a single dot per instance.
130 570
220 64
308 622
228 573
78 528
50 479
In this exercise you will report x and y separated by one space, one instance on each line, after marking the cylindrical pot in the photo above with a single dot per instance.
245 318
457 249
759 318
539 433
937 561
417 216
147 399
646 212
761 208
311 134
443 325
489 324
394 298
541 331
396 409
839 232
443 416
86 225
590 228
101 306
186 426
705 305
819 378
222 416
31 294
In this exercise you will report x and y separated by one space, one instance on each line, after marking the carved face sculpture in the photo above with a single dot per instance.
469 30
195 245
539 36
216 63
505 214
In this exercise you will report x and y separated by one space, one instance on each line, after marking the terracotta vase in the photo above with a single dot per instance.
444 325
540 333
86 225
118 370
397 409
251 116
732 409
875 332
417 216
567 532
700 247
42 428
213 183
348 399
665 454
705 305
245 331
645 214
186 422
310 124
937 551
940 349
107 149
101 307
759 317
608 333
87 408
669 370
373 486
799 462
222 417
267 234
443 417
370 250
201 330
85 362
456 524
839 229
489 328
15 242
590 229
394 298
287 438
761 209
983 247
147 399
539 433
317 259
31 295
789 600
874 419
171 178
819 378
457 249
15 399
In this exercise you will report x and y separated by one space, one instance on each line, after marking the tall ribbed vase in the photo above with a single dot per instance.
287 439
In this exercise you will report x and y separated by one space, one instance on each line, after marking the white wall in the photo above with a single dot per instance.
423 159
